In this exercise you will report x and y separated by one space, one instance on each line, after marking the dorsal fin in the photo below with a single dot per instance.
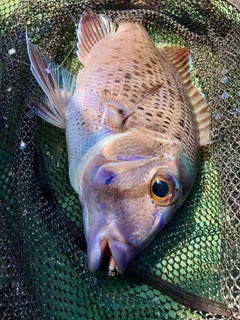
180 58
91 29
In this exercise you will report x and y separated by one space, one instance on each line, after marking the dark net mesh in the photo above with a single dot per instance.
191 270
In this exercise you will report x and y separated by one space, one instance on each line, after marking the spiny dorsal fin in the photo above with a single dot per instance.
57 83
91 29
180 58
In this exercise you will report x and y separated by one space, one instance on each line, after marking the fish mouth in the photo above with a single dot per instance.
111 244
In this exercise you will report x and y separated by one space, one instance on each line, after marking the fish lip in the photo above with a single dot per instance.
119 249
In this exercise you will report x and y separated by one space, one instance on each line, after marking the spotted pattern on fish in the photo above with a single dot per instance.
134 123
123 79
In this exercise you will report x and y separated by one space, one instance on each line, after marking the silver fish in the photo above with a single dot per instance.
134 123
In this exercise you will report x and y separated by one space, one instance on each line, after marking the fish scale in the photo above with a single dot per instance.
125 77
134 123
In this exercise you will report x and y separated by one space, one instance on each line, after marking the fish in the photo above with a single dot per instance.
134 124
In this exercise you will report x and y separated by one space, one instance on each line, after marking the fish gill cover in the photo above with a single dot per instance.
191 270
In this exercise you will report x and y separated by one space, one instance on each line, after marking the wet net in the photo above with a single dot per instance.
192 269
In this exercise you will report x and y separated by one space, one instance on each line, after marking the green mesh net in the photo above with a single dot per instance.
191 270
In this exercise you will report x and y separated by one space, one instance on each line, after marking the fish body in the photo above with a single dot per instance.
134 123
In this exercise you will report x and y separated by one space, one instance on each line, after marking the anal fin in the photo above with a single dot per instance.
180 58
57 83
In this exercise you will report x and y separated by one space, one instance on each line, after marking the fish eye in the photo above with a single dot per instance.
160 188
164 188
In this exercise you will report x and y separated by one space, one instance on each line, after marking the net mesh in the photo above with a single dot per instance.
43 264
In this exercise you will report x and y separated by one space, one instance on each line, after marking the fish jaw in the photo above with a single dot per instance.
108 237
102 235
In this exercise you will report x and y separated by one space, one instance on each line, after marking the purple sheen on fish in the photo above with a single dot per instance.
134 124
129 158
106 177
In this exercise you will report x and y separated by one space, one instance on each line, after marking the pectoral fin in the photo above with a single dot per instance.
116 112
180 58
57 83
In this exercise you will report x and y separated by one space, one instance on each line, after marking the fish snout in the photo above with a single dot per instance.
108 240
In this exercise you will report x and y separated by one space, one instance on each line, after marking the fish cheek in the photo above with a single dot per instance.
130 217
135 217
158 218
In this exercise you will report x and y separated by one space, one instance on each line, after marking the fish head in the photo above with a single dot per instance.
129 189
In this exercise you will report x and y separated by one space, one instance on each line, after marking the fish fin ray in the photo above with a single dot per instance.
118 109
180 58
143 95
91 29
57 83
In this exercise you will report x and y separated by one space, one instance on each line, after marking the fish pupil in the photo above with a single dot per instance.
160 188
